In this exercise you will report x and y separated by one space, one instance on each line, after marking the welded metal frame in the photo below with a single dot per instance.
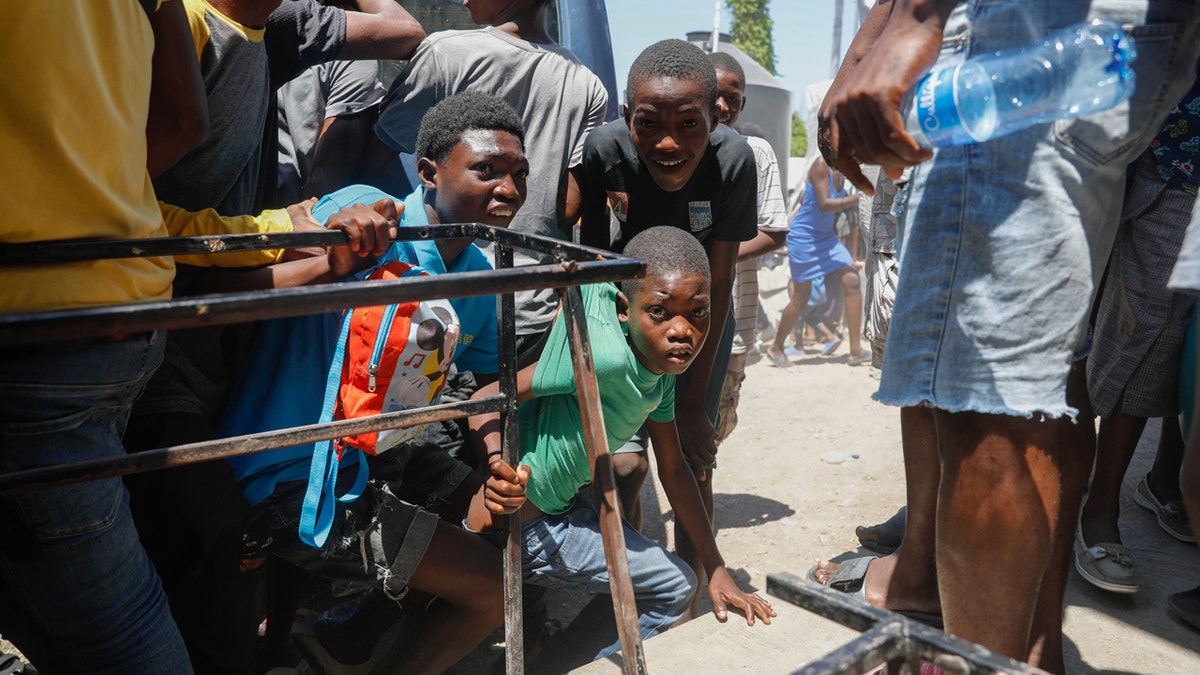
574 265
888 639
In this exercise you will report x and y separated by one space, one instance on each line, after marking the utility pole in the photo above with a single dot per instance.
837 38
716 36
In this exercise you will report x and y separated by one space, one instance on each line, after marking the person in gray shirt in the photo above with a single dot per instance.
514 58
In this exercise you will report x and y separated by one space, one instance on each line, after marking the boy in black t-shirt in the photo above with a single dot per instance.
673 164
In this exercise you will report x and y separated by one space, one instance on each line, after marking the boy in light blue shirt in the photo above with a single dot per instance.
472 169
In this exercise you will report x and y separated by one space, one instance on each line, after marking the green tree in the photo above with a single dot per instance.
799 136
752 31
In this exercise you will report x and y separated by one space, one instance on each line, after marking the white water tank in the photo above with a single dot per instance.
769 102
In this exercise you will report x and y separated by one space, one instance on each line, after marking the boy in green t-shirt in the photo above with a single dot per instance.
641 338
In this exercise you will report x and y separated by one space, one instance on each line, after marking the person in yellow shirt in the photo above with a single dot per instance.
78 591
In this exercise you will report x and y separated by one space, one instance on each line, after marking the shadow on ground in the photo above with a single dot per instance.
743 510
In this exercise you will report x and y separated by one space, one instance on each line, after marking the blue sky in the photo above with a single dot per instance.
803 33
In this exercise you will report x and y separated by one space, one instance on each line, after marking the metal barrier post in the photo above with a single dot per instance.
514 623
611 529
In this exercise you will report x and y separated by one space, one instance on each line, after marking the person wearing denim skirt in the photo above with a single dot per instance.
1001 243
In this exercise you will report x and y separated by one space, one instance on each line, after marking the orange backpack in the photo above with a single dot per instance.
388 358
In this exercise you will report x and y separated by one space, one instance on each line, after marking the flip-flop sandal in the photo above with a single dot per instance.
831 346
849 578
779 360
11 665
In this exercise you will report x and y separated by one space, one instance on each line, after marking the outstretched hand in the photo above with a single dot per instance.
370 230
724 593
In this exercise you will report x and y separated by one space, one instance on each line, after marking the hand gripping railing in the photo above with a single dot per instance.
574 265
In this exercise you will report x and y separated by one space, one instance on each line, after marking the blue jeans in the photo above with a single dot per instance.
1003 242
566 551
77 590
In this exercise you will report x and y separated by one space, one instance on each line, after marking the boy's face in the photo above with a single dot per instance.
481 180
668 321
670 120
730 101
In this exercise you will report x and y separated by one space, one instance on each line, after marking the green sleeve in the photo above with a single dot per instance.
554 374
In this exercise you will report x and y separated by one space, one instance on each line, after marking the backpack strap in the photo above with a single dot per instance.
316 516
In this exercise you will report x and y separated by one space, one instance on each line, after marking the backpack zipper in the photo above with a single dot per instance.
385 327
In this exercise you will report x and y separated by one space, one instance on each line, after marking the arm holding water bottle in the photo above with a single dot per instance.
860 121
875 114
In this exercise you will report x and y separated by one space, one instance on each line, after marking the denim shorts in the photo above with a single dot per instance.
566 551
377 540
1002 242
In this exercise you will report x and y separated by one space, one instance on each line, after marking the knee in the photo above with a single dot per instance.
631 467
668 591
852 282
680 593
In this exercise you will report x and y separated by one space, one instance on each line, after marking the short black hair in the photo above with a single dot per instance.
444 124
665 250
724 62
675 59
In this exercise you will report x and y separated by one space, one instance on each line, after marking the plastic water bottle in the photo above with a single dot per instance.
1076 71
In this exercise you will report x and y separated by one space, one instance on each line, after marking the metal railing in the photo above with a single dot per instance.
888 639
574 265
